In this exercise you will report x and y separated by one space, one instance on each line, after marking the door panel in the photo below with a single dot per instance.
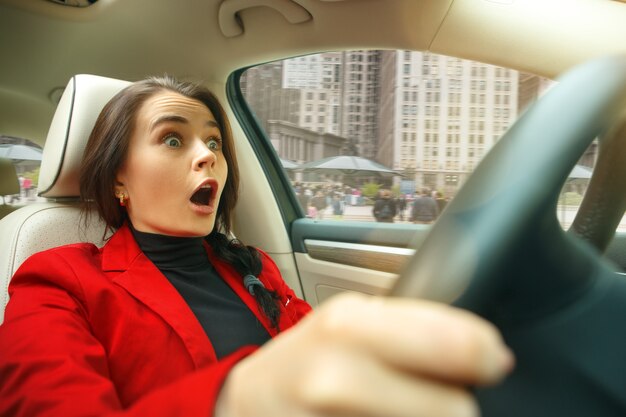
367 257
333 257
323 279
379 258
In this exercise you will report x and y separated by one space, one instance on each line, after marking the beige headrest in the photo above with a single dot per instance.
9 183
81 103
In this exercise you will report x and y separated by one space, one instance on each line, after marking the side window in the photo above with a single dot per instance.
368 135
25 156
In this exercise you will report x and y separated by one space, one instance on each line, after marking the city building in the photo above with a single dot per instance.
440 115
428 116
334 93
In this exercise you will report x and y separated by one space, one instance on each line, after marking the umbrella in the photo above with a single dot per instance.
288 164
20 152
349 165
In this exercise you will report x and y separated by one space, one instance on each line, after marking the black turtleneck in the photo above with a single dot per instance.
226 319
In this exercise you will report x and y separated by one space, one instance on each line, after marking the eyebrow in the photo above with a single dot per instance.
177 119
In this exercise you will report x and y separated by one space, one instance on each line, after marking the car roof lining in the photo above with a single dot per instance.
470 29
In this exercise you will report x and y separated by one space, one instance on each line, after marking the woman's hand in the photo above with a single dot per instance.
370 356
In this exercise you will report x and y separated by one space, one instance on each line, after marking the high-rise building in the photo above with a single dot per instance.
431 117
296 102
358 110
439 115
333 94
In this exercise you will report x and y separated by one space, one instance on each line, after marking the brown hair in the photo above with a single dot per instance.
108 144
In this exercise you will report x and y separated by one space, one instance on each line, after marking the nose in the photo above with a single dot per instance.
203 156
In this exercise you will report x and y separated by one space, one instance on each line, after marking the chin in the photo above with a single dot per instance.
194 230
203 229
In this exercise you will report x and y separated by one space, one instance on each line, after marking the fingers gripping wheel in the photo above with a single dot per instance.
498 250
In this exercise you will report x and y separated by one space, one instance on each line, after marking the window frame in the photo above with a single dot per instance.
268 158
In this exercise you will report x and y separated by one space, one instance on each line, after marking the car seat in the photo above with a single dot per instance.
58 220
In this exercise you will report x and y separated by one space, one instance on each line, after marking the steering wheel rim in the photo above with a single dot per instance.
499 201
604 203
498 250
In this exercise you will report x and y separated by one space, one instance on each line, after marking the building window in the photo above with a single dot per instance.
452 179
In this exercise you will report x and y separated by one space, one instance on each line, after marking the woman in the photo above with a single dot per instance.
171 318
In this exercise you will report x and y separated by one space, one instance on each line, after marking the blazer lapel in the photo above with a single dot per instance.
143 280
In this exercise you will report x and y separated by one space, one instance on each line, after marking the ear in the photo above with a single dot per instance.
120 180
119 187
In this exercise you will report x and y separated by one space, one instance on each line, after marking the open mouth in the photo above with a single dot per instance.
204 195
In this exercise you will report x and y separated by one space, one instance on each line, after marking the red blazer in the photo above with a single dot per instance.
98 332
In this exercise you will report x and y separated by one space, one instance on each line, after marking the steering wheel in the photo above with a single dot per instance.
499 251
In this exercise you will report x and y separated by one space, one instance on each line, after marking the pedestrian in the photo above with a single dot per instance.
401 206
27 184
318 202
424 210
385 207
303 198
441 202
338 206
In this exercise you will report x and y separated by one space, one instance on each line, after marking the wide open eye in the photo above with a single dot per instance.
173 141
214 144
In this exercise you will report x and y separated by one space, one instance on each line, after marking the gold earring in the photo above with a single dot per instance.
122 198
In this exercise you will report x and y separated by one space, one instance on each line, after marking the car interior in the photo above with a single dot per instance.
556 291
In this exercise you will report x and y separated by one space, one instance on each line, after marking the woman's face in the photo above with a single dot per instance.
175 170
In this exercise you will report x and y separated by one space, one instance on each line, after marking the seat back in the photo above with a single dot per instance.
9 185
58 220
